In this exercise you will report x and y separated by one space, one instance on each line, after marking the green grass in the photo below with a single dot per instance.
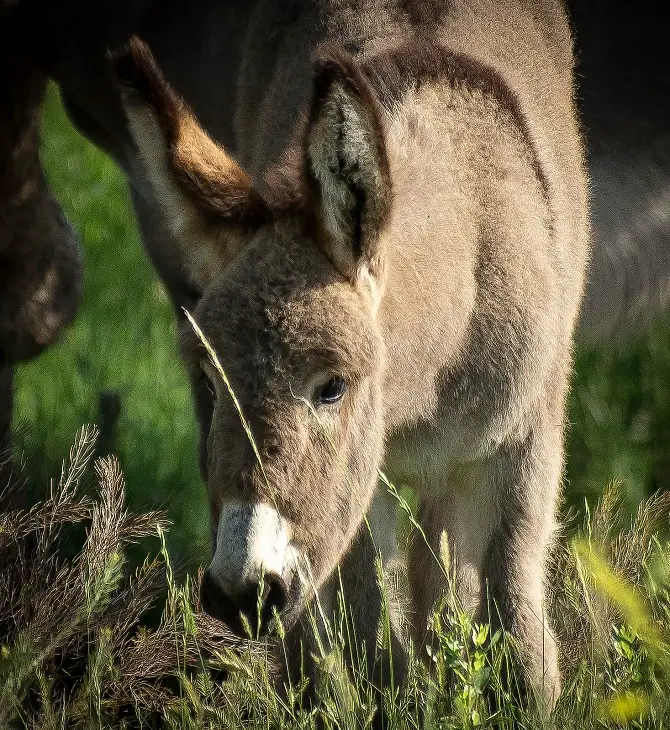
73 655
620 418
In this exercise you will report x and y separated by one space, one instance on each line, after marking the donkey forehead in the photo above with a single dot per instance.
287 303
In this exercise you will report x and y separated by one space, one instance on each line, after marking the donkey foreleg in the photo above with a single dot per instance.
486 532
456 519
524 474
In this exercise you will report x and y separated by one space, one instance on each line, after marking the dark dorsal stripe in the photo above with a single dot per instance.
393 73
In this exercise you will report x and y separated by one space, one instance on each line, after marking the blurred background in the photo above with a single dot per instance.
123 342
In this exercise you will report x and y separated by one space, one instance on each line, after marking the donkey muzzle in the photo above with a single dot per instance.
253 568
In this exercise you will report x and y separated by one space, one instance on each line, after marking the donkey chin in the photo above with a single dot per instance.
257 574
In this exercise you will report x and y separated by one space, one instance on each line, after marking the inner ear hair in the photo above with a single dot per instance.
347 165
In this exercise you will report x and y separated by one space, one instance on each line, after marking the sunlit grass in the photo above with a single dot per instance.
85 662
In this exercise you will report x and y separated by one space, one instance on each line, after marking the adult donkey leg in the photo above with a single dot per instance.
39 256
40 263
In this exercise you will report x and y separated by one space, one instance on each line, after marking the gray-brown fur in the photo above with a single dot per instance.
625 96
39 256
433 255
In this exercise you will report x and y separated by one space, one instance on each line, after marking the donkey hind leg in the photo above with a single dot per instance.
373 636
525 476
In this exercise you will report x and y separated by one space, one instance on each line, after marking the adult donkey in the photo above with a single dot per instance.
40 264
393 281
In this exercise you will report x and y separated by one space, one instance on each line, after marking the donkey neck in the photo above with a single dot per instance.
281 41
463 106
454 130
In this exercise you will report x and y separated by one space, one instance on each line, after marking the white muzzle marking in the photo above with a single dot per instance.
252 539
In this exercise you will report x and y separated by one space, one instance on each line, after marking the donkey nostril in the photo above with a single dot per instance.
212 598
258 609
275 594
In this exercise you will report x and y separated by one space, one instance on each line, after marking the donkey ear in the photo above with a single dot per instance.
209 202
348 169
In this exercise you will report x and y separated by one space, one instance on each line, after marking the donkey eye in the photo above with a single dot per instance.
330 392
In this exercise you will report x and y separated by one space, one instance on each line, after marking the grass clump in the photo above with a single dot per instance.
73 649
77 651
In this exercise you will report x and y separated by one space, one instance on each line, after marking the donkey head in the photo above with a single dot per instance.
288 296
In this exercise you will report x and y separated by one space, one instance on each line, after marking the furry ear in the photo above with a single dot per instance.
209 202
347 169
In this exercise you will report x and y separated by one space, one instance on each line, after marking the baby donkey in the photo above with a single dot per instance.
393 285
